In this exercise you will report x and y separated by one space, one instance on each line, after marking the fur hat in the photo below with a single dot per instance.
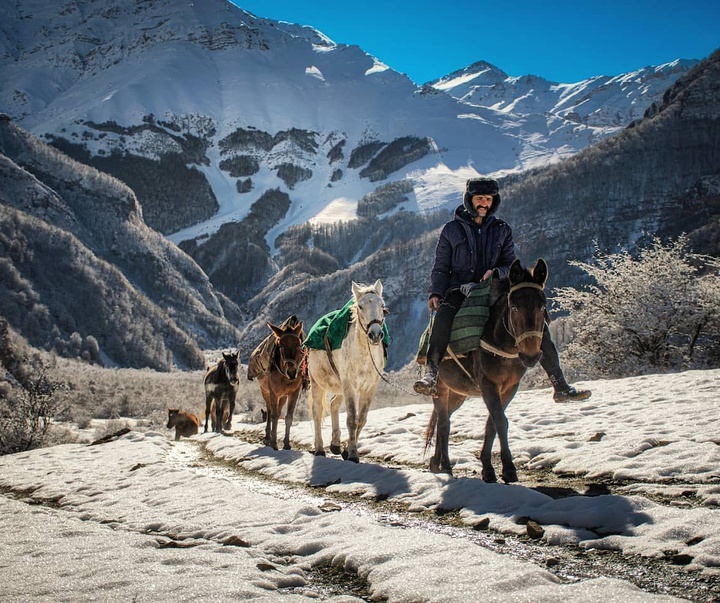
481 186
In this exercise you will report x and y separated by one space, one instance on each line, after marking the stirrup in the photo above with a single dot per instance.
571 394
427 386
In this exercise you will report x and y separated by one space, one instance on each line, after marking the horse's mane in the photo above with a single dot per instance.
499 288
353 306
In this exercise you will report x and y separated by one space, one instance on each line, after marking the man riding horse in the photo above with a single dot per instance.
470 247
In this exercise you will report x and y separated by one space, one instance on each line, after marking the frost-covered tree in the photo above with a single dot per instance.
655 310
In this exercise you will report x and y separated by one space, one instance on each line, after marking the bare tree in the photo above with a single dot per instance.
656 310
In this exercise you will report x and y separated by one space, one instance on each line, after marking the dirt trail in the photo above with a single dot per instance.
570 564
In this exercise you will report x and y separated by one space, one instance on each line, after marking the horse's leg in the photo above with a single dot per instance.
440 462
335 403
316 399
496 408
488 473
231 410
291 402
208 409
217 421
350 453
272 417
365 401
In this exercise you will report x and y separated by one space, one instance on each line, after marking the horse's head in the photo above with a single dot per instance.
231 366
526 309
288 347
370 310
173 416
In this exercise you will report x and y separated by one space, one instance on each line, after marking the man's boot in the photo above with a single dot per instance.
427 386
565 392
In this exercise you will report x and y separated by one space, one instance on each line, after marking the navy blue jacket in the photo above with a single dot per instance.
457 259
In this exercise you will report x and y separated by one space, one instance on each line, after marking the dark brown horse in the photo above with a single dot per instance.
510 344
221 388
283 381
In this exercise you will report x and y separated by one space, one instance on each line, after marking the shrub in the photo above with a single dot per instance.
27 401
657 310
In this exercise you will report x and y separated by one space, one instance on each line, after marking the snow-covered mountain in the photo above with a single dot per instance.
604 102
247 105
238 135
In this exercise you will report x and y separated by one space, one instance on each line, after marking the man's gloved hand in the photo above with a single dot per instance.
467 288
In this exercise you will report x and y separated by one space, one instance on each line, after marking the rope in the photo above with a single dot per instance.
385 379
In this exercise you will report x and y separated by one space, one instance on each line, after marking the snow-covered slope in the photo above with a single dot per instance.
154 77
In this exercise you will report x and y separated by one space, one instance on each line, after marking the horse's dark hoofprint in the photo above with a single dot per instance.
221 388
510 344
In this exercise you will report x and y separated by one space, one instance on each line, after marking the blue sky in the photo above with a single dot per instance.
560 40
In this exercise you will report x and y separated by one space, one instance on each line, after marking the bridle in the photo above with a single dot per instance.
375 321
508 327
527 334
291 363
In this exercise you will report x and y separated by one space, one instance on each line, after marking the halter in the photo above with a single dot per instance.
375 321
518 338
292 362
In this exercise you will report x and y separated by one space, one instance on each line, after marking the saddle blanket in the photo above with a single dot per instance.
467 326
334 325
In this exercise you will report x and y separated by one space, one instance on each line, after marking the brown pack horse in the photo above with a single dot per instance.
510 344
221 387
283 382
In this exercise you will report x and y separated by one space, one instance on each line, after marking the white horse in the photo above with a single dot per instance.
353 373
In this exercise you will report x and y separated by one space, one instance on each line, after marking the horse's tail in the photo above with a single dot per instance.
430 431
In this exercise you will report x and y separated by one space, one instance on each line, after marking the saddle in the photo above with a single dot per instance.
329 331
467 326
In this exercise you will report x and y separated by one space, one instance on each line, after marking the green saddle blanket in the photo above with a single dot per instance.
467 326
335 325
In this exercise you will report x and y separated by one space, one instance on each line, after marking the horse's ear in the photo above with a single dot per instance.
540 272
276 330
355 289
516 272
298 328
378 287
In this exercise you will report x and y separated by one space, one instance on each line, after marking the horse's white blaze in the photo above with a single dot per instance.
359 361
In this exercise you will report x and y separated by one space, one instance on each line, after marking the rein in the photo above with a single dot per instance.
372 359
384 378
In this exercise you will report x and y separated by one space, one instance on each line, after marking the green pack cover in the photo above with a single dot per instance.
467 326
335 324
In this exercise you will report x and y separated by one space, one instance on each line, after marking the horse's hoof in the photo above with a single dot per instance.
352 459
489 476
227 426
510 477
287 447
319 453
336 450
436 467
